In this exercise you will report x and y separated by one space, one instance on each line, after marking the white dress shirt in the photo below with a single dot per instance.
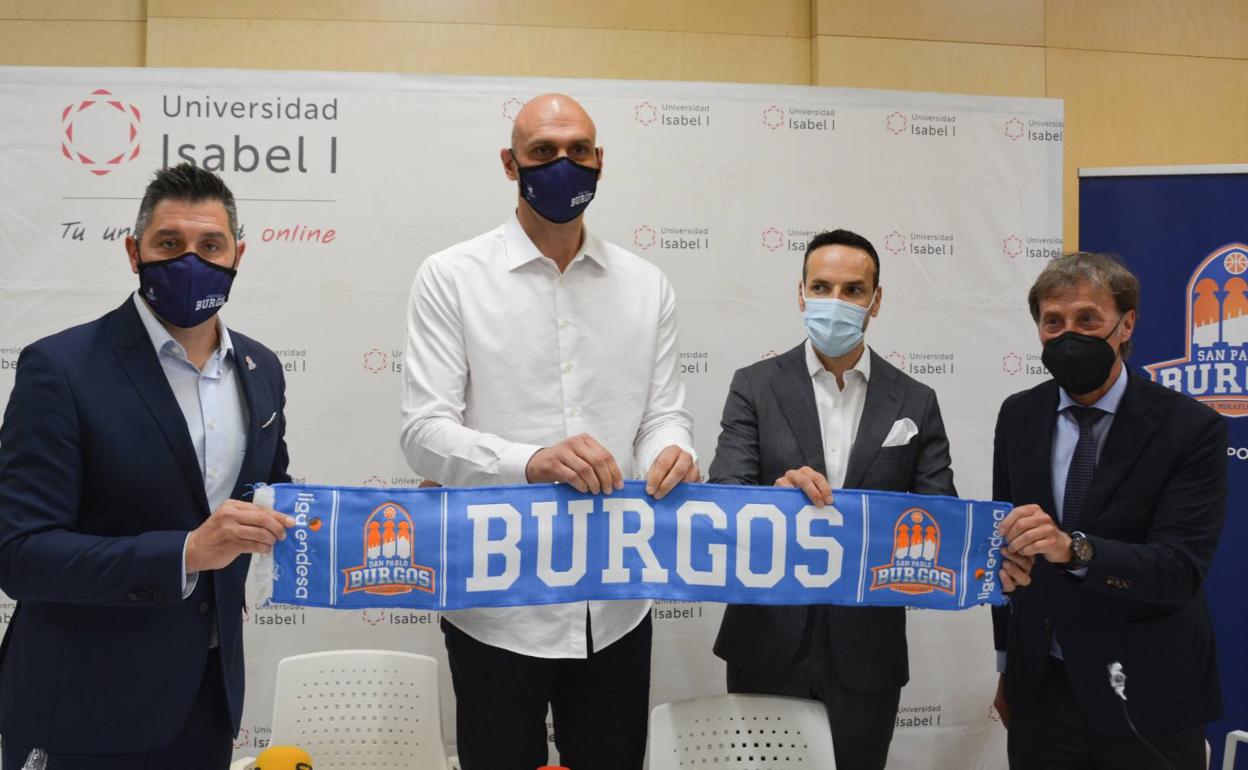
506 355
212 403
840 410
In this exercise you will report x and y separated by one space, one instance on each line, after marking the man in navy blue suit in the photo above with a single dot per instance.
1119 487
125 452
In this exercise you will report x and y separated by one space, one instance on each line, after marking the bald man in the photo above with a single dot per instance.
538 352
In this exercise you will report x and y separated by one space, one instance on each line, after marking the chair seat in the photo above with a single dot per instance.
740 732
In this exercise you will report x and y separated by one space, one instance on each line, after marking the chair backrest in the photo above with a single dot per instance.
361 710
1233 739
736 732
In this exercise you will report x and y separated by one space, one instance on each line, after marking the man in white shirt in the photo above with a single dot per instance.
538 352
831 414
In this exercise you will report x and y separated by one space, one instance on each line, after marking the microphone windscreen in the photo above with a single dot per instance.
283 758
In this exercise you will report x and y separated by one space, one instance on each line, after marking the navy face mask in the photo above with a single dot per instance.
559 190
186 290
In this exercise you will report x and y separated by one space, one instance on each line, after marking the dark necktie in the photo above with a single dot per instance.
1082 464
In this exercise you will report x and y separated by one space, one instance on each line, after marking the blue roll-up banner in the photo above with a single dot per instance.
448 549
1184 232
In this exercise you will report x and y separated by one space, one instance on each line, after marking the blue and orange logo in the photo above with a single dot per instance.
389 566
1214 368
913 569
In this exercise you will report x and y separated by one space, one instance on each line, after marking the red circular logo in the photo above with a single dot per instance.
1012 246
100 132
644 236
511 108
772 238
1014 129
375 361
1011 363
896 122
645 113
773 117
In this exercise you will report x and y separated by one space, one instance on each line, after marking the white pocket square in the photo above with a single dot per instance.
900 434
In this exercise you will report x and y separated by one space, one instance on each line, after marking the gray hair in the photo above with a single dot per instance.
185 182
1098 270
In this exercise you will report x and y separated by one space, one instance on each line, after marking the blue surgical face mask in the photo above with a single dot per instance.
559 190
835 326
186 290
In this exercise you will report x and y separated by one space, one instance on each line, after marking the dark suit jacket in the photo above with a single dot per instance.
1153 516
99 486
770 426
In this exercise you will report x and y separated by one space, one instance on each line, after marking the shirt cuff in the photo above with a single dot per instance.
513 461
1000 661
654 448
189 579
1081 572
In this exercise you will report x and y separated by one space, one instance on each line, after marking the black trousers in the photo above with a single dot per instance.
862 722
206 741
1056 734
600 704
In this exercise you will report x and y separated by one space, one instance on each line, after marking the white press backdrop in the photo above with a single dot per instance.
719 185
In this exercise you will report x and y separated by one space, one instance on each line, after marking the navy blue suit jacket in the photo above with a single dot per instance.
1153 515
99 486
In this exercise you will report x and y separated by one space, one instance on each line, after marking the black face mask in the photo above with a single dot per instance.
1080 362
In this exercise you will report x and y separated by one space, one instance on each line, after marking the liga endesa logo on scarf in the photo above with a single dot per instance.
546 543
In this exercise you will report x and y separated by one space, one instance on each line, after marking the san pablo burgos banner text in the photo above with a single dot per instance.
449 549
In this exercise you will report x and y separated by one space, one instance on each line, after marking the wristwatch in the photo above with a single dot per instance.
1080 551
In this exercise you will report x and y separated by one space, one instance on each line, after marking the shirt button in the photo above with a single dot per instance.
567 368
202 608
212 474
563 324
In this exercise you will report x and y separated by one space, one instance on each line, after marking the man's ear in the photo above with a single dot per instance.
132 252
510 165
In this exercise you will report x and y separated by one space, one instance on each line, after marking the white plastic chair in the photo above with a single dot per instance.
740 732
1233 739
359 710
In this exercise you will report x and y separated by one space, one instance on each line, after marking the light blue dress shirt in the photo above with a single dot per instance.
212 402
1066 437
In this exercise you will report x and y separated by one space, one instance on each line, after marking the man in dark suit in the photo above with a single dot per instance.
830 414
1120 490
125 449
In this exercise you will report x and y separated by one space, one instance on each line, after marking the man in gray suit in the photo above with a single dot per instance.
831 414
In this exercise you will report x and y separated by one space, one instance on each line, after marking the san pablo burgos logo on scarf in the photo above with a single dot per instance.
913 569
389 556
1214 367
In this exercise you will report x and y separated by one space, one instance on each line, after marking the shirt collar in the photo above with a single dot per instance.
163 341
1106 403
521 250
814 365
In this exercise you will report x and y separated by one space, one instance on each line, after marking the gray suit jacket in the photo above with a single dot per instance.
770 426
